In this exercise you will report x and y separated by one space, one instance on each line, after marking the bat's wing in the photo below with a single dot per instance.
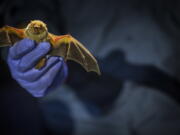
71 49
10 35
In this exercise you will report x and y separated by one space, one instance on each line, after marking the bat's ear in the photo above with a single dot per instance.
29 22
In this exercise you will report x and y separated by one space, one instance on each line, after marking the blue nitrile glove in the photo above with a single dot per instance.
22 58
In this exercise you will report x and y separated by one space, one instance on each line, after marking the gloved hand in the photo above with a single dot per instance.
22 58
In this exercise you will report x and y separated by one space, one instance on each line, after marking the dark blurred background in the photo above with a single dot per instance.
136 43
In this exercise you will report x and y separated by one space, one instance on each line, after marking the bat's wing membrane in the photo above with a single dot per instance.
10 35
71 49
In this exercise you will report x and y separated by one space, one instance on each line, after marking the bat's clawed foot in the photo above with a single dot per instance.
41 63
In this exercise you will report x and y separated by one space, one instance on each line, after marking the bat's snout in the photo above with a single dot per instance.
37 29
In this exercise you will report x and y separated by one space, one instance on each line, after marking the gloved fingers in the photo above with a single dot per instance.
29 60
33 88
65 69
21 48
39 87
12 65
48 78
34 74
61 74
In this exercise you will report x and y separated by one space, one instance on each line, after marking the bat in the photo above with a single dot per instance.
65 46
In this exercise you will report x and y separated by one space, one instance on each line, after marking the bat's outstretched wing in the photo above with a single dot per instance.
10 35
71 49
